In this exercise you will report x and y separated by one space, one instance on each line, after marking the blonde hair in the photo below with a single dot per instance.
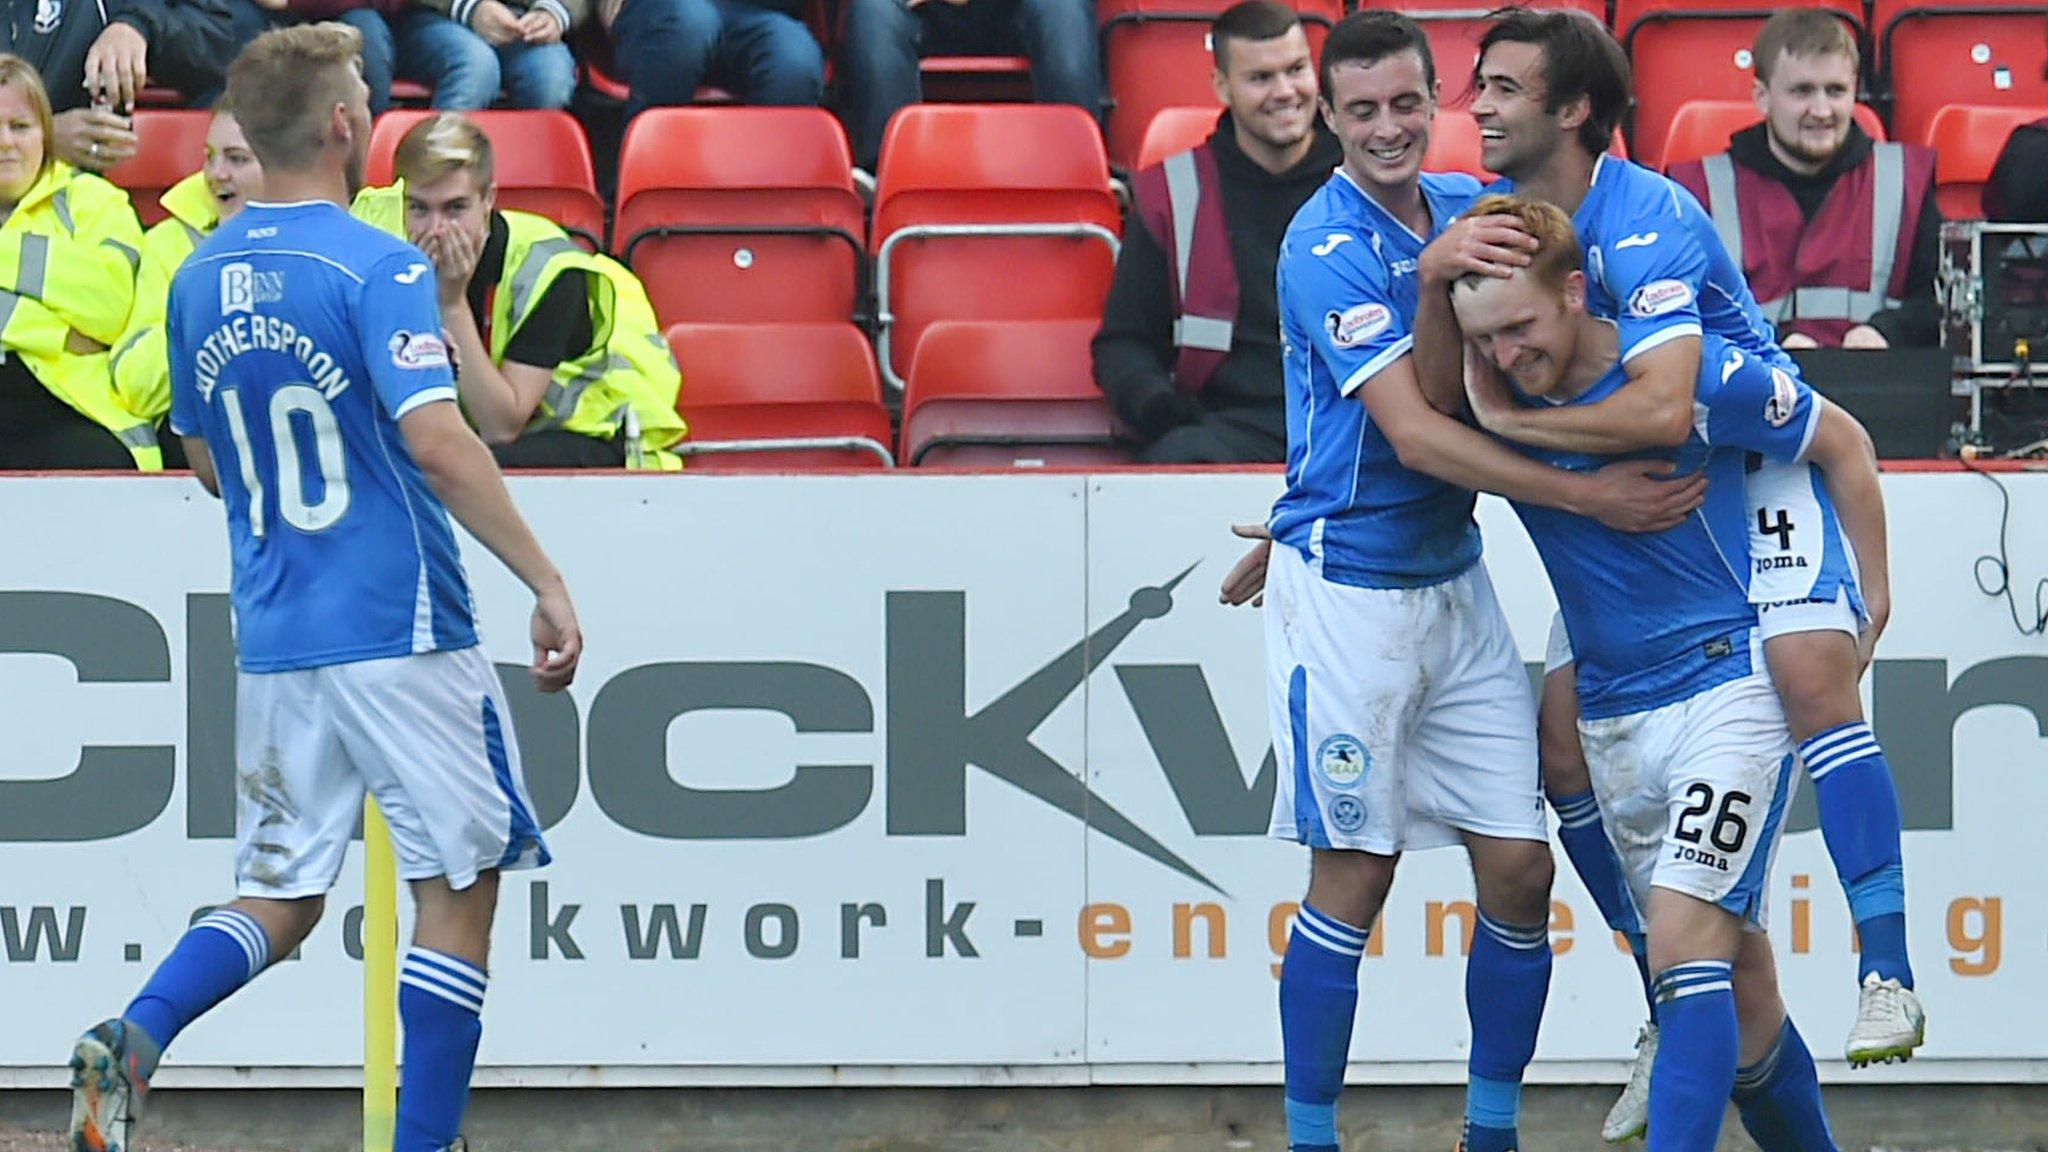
1557 253
1806 32
18 73
444 143
286 83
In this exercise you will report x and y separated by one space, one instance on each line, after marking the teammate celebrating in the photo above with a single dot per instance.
1395 691
1548 90
315 398
1684 733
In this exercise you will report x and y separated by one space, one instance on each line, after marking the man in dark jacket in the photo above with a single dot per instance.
2017 192
1189 350
95 56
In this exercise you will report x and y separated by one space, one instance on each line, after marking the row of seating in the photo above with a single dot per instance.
750 214
772 397
1922 55
1966 139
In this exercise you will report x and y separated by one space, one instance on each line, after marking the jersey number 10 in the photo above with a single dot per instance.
291 477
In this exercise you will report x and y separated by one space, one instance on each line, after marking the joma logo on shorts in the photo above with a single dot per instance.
1779 563
1690 855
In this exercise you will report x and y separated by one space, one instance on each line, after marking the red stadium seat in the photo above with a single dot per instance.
543 164
1704 127
170 144
779 397
1966 140
1156 55
733 215
1454 144
1005 395
1986 52
1175 130
989 212
1694 50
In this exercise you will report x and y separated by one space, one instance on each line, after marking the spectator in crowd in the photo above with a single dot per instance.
229 178
881 42
1839 235
474 47
68 250
94 56
560 362
371 18
1189 350
759 50
2017 192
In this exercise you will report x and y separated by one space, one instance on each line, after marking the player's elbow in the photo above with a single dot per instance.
1670 423
1416 450
498 434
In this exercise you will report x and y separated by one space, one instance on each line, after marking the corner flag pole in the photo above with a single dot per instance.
380 983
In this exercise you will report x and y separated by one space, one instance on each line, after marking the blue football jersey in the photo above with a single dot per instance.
1655 618
1347 290
298 338
1656 267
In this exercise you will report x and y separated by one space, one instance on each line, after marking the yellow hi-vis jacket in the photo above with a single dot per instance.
142 364
628 373
68 255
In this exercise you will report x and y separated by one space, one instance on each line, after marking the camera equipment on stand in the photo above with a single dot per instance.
1993 287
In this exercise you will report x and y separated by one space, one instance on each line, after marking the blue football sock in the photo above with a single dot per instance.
1639 951
1507 979
1318 1001
224 950
1779 1099
1592 856
1697 1049
440 1002
1859 820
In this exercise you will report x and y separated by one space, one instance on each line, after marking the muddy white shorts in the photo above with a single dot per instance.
428 735
1400 717
1694 793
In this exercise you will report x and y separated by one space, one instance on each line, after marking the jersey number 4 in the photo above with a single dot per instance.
287 402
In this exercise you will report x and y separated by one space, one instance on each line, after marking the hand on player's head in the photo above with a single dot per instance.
1493 245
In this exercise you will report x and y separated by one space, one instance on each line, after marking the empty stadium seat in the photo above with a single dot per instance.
1933 54
1155 54
1175 130
170 144
543 164
1966 140
741 214
1704 127
989 212
779 397
1005 395
1694 50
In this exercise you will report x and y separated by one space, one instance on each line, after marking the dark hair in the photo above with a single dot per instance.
1580 58
1369 36
1250 21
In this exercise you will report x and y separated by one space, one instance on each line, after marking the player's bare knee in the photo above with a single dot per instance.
286 923
1685 928
1816 676
1513 878
1351 886
457 920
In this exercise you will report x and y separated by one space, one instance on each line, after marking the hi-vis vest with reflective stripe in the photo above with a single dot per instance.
141 361
629 370
68 254
1824 276
1180 201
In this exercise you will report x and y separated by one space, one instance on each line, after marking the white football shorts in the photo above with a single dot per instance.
1400 717
1694 793
1802 567
429 735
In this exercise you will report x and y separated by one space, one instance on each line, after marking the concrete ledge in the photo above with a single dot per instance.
1921 1118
